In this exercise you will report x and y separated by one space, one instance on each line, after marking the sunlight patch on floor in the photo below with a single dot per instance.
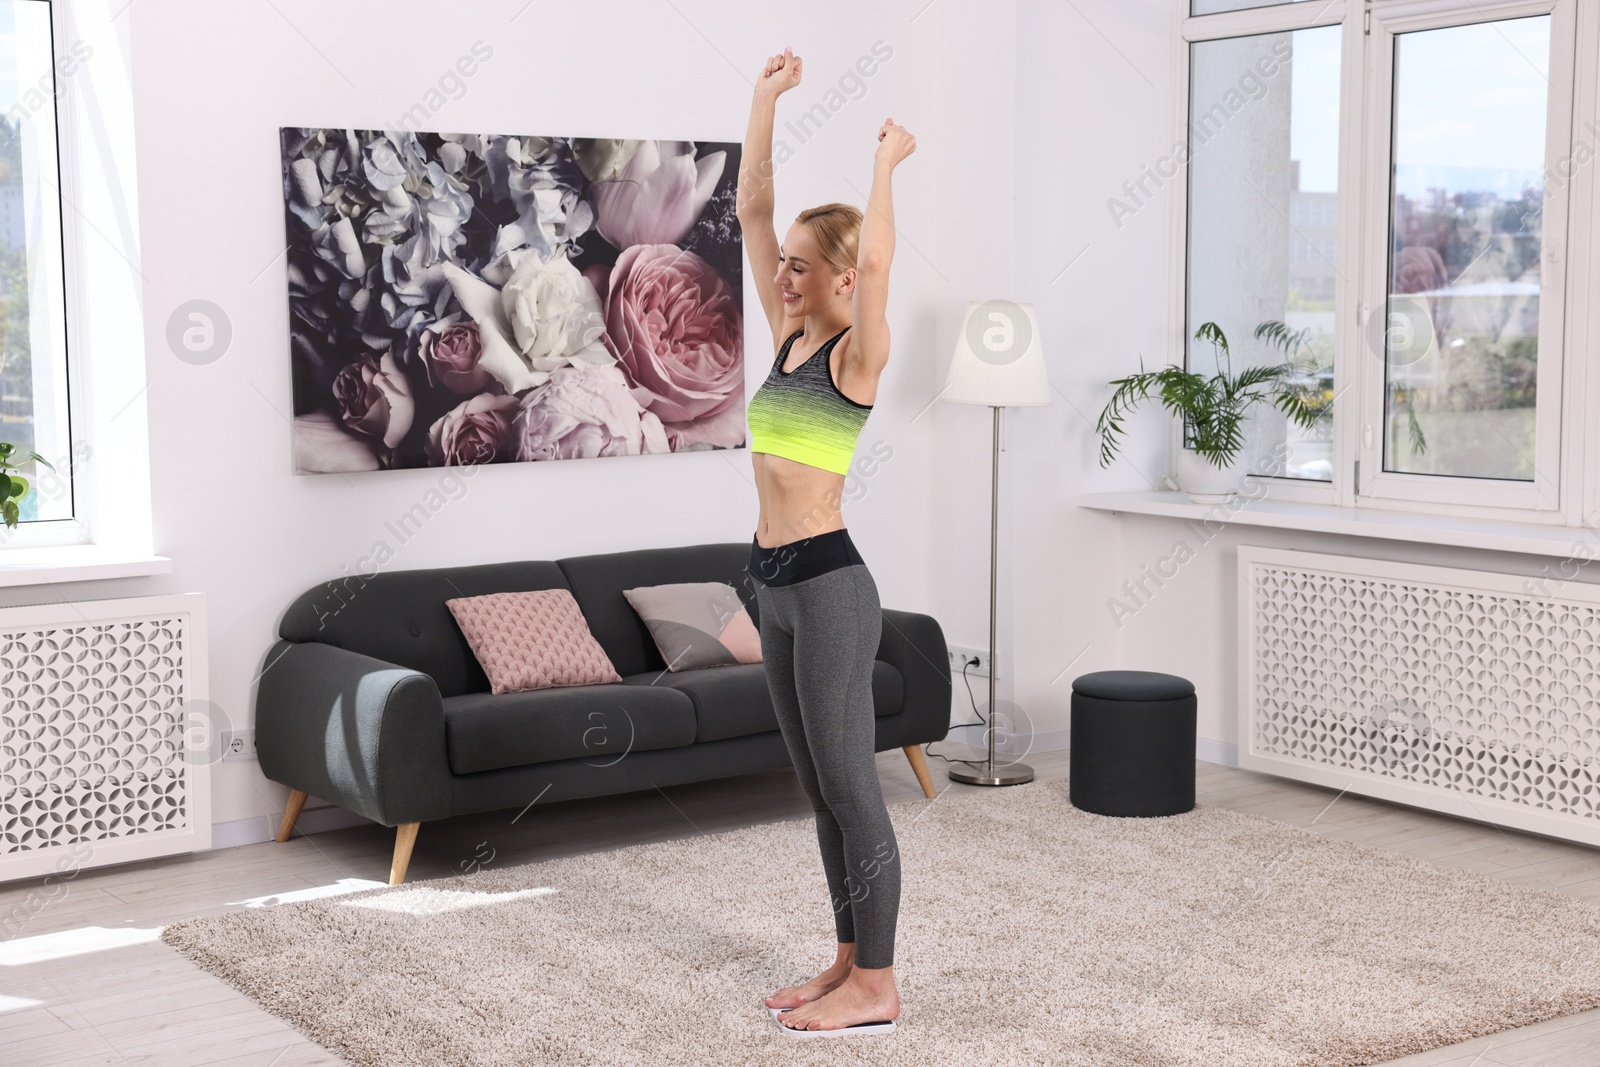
77 942
17 1003
424 901
343 885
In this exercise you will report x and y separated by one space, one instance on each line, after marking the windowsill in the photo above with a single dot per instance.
76 563
1494 534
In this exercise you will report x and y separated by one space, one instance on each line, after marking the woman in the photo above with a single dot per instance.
824 291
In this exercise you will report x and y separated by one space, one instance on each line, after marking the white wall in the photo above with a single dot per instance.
1095 103
214 82
975 92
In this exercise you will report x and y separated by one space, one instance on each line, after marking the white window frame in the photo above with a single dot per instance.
51 532
1530 501
1568 430
111 532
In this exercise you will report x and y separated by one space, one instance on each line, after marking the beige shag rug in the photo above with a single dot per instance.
1030 933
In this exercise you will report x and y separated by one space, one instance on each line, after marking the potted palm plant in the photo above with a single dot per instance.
13 486
1213 408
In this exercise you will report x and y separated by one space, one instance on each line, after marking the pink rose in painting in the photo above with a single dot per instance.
472 432
449 351
375 399
584 410
675 328
659 195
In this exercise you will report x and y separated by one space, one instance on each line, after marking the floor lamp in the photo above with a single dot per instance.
998 363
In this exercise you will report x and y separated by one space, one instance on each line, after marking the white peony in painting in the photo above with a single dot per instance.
463 298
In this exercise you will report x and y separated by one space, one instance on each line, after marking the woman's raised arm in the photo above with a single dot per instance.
869 349
755 201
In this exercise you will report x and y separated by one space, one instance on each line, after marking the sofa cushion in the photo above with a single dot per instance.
598 581
534 639
400 616
732 700
488 731
697 624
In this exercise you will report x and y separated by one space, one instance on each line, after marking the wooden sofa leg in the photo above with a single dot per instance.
919 764
405 836
291 812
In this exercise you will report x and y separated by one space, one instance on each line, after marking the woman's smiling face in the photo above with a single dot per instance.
804 279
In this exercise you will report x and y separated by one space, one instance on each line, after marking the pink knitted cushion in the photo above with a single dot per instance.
532 640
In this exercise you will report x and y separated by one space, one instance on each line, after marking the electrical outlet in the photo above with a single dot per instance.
238 745
978 662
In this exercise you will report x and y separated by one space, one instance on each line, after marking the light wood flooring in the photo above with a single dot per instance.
84 981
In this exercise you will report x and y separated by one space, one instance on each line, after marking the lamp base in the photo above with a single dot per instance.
1003 774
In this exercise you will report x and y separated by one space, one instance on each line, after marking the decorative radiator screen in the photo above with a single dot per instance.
99 758
1469 692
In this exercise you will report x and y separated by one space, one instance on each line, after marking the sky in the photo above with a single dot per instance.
1471 103
1314 114
1470 106
8 53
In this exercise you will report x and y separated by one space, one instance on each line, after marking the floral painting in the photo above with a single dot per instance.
467 298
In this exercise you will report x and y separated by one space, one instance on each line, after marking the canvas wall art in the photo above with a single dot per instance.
470 298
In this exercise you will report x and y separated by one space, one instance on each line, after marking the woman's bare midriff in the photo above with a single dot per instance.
797 500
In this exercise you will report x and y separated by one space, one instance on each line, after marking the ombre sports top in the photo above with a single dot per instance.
802 415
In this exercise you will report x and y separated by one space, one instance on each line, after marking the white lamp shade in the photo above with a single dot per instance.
999 361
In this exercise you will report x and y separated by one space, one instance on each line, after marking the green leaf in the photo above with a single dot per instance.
19 486
41 459
1279 335
1210 331
1419 443
1130 391
9 509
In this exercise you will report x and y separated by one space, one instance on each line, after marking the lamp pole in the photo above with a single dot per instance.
1012 773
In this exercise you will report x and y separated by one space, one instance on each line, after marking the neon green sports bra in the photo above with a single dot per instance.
802 415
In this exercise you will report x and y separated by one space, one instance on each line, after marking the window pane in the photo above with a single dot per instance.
1462 324
33 350
1211 7
1263 202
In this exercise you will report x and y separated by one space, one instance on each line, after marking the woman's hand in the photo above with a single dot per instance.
781 74
895 143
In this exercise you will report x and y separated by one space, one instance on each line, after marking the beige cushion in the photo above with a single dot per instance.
697 624
531 640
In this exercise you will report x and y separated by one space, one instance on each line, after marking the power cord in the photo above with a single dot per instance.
928 747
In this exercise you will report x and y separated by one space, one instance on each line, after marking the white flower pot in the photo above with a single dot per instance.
1205 483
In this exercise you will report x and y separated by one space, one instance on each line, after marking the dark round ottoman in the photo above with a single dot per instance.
1132 743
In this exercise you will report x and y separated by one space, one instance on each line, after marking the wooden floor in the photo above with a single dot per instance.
85 981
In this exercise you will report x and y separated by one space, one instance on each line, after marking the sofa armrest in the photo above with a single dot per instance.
365 734
914 644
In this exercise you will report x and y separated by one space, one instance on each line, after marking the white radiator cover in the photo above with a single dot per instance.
1468 692
99 703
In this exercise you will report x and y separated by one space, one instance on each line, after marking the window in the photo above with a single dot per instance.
35 414
1263 190
1211 7
1464 250
1391 182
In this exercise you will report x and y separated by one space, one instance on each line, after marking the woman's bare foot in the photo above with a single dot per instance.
796 995
867 996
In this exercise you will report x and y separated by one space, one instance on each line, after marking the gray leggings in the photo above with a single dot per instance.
819 638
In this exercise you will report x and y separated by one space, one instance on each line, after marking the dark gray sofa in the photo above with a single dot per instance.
373 699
